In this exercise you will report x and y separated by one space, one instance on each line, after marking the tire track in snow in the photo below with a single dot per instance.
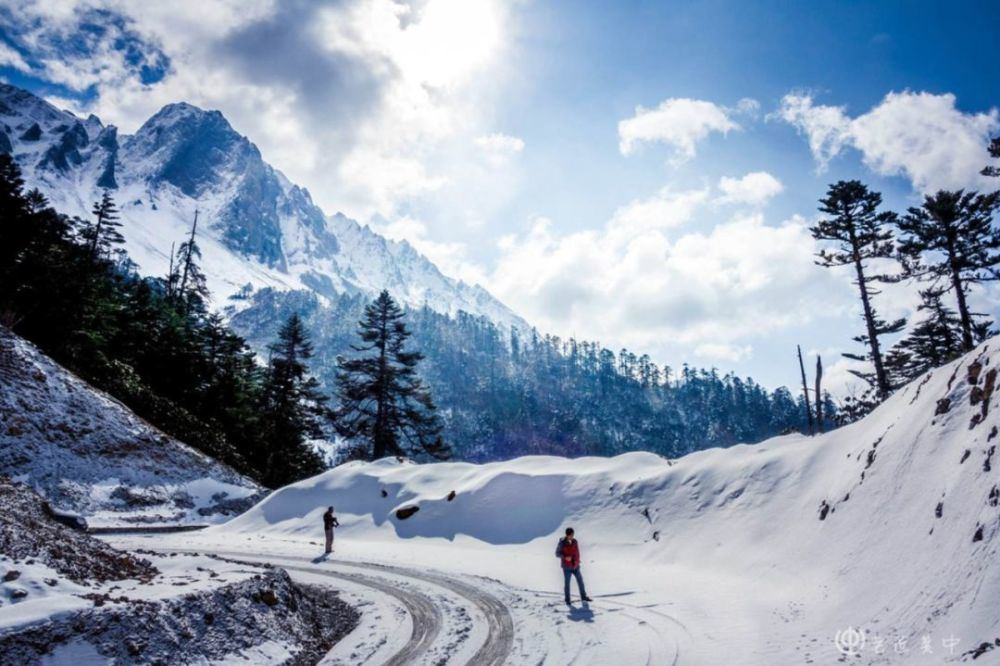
500 636
424 614
500 624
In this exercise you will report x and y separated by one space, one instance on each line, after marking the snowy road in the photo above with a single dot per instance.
423 616
426 611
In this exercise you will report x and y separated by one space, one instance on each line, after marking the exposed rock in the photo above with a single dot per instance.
824 509
406 511
28 532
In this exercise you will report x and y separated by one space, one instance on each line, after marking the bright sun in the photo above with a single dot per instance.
449 40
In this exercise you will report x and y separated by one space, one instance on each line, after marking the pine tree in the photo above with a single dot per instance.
191 285
934 341
293 409
994 148
103 235
951 238
861 234
383 402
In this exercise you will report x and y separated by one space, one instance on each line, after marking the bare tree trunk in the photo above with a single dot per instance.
170 273
881 379
819 393
188 258
805 390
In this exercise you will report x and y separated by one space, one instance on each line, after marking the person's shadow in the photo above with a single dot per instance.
581 613
321 558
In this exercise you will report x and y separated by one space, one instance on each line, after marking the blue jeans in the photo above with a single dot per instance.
579 582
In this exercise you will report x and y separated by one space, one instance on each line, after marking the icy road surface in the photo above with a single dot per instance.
417 615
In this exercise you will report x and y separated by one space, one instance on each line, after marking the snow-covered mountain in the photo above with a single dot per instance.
885 532
89 454
258 228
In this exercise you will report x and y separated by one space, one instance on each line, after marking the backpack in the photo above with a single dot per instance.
559 548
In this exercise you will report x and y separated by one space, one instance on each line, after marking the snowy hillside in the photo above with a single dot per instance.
258 229
755 554
68 598
87 453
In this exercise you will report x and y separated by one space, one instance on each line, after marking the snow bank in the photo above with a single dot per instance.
888 524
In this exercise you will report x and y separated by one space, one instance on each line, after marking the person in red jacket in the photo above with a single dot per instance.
568 552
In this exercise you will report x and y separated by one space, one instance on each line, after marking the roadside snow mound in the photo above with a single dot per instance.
889 524
86 452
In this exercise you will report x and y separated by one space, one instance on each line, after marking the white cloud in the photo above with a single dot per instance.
451 258
362 101
678 122
11 58
724 352
754 189
919 135
500 143
640 283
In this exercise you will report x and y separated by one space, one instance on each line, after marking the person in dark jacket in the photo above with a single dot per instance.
329 522
568 552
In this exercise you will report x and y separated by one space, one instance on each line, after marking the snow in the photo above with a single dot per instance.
43 600
728 544
256 227
88 453
180 575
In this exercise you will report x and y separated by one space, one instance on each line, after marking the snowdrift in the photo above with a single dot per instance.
888 524
86 452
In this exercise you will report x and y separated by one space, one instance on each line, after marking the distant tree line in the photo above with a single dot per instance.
502 393
947 245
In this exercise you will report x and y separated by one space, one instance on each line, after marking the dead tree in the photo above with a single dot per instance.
819 393
805 390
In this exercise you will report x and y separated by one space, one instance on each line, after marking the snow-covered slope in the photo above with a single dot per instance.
258 228
87 453
761 553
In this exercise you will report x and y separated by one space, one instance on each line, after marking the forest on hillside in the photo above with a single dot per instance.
508 393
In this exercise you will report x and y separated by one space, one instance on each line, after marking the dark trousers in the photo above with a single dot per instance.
579 582
329 539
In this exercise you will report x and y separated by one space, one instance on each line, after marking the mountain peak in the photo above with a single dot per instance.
258 227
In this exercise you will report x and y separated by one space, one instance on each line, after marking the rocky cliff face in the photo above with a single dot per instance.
258 228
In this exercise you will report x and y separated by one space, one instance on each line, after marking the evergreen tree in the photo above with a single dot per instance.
994 148
293 409
189 284
951 238
103 235
383 402
934 341
861 234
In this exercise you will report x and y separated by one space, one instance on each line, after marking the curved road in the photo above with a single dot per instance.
449 615
425 614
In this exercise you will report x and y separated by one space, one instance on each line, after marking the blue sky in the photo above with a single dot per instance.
642 173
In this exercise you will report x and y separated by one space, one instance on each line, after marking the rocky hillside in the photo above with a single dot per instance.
87 453
66 597
258 228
